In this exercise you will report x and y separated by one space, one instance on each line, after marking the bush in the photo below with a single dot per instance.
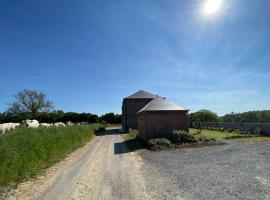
230 130
159 141
184 137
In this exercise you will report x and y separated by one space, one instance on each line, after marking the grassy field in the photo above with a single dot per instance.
113 125
255 139
212 134
24 152
218 135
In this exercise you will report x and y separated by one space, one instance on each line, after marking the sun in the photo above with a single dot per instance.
212 6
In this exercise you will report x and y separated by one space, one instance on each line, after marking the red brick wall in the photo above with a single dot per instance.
155 123
142 125
130 107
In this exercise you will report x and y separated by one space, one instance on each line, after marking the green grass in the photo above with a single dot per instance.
113 125
132 141
255 139
159 141
218 135
25 152
212 134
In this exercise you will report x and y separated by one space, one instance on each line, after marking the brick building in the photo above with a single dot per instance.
152 115
131 105
160 117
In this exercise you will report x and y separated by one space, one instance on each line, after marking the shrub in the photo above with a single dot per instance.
184 137
199 131
159 141
235 131
222 129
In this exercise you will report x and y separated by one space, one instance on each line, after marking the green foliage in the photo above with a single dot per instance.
184 137
112 118
132 133
31 104
204 116
199 131
30 101
234 131
60 116
25 152
210 134
159 141
250 117
132 140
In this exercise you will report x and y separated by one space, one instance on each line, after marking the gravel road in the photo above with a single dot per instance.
104 172
239 170
104 169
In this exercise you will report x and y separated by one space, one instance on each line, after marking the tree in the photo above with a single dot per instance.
262 116
30 101
111 118
204 116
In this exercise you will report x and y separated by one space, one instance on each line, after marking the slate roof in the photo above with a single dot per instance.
141 95
161 104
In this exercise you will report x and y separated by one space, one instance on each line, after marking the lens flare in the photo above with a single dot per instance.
212 6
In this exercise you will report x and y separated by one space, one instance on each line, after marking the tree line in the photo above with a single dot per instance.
32 104
204 115
60 116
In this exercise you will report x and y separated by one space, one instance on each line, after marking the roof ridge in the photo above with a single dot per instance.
141 94
163 104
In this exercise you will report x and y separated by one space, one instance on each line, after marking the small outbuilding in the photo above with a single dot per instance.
131 105
160 117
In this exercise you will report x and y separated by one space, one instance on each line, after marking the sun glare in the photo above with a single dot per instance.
212 6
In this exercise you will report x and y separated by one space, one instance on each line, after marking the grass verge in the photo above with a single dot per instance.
185 139
255 139
25 152
113 125
132 141
212 134
218 135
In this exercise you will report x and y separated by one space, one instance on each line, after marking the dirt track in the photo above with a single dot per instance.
102 170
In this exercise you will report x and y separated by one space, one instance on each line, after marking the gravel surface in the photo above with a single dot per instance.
239 170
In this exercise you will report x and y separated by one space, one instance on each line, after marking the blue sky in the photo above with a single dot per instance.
88 55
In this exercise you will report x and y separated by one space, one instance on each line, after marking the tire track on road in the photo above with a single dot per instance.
67 179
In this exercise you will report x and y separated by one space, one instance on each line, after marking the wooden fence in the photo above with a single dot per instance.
264 128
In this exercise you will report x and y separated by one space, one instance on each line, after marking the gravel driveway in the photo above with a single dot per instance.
103 169
239 170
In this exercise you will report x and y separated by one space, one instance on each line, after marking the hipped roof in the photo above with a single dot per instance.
141 95
161 104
